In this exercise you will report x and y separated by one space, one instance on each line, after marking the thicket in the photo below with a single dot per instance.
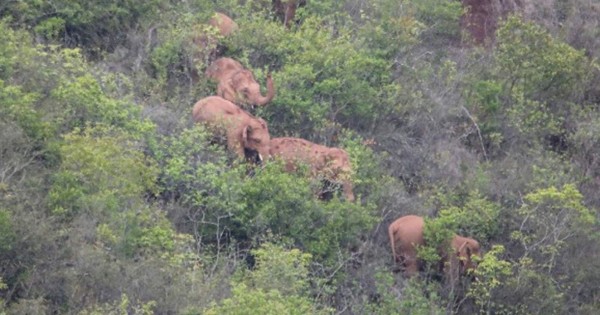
112 201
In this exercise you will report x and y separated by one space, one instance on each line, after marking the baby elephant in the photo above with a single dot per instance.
407 232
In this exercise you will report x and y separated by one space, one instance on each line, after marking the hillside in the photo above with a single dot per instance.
481 116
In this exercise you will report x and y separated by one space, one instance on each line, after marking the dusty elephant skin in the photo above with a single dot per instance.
332 164
286 10
237 84
223 23
244 132
406 233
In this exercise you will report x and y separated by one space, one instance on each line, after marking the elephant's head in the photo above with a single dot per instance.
247 90
465 248
255 138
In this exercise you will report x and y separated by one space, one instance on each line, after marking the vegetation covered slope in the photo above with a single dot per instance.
113 202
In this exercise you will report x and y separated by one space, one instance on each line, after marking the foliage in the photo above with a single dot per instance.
472 215
543 77
389 27
534 62
417 297
122 307
263 302
279 269
7 233
549 218
100 172
440 17
276 285
316 65
491 272
284 204
95 25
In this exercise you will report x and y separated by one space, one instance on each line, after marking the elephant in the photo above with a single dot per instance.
237 84
332 164
205 44
406 233
245 133
286 10
223 23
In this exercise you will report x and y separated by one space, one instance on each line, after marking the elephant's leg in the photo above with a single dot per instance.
411 266
222 90
234 141
410 262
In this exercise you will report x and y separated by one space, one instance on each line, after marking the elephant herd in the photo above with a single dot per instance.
248 137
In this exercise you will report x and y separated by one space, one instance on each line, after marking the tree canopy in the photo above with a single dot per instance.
112 201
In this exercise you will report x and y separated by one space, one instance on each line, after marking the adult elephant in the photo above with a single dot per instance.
286 10
245 133
206 44
223 23
237 84
331 164
406 234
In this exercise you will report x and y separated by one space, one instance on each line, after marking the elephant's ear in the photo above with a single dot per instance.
263 123
240 77
461 248
247 130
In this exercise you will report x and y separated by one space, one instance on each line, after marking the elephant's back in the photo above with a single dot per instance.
212 107
408 226
223 68
223 23
298 148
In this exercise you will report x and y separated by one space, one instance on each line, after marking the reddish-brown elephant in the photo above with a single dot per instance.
223 23
206 46
286 10
406 233
331 164
243 131
237 84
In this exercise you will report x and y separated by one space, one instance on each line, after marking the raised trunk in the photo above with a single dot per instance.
263 100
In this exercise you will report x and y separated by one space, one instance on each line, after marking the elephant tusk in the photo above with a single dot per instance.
260 158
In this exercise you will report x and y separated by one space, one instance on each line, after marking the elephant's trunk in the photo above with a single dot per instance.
263 100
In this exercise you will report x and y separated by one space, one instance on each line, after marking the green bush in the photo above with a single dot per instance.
491 273
95 26
441 18
101 173
534 63
315 68
284 204
548 219
49 91
471 215
416 297
277 285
